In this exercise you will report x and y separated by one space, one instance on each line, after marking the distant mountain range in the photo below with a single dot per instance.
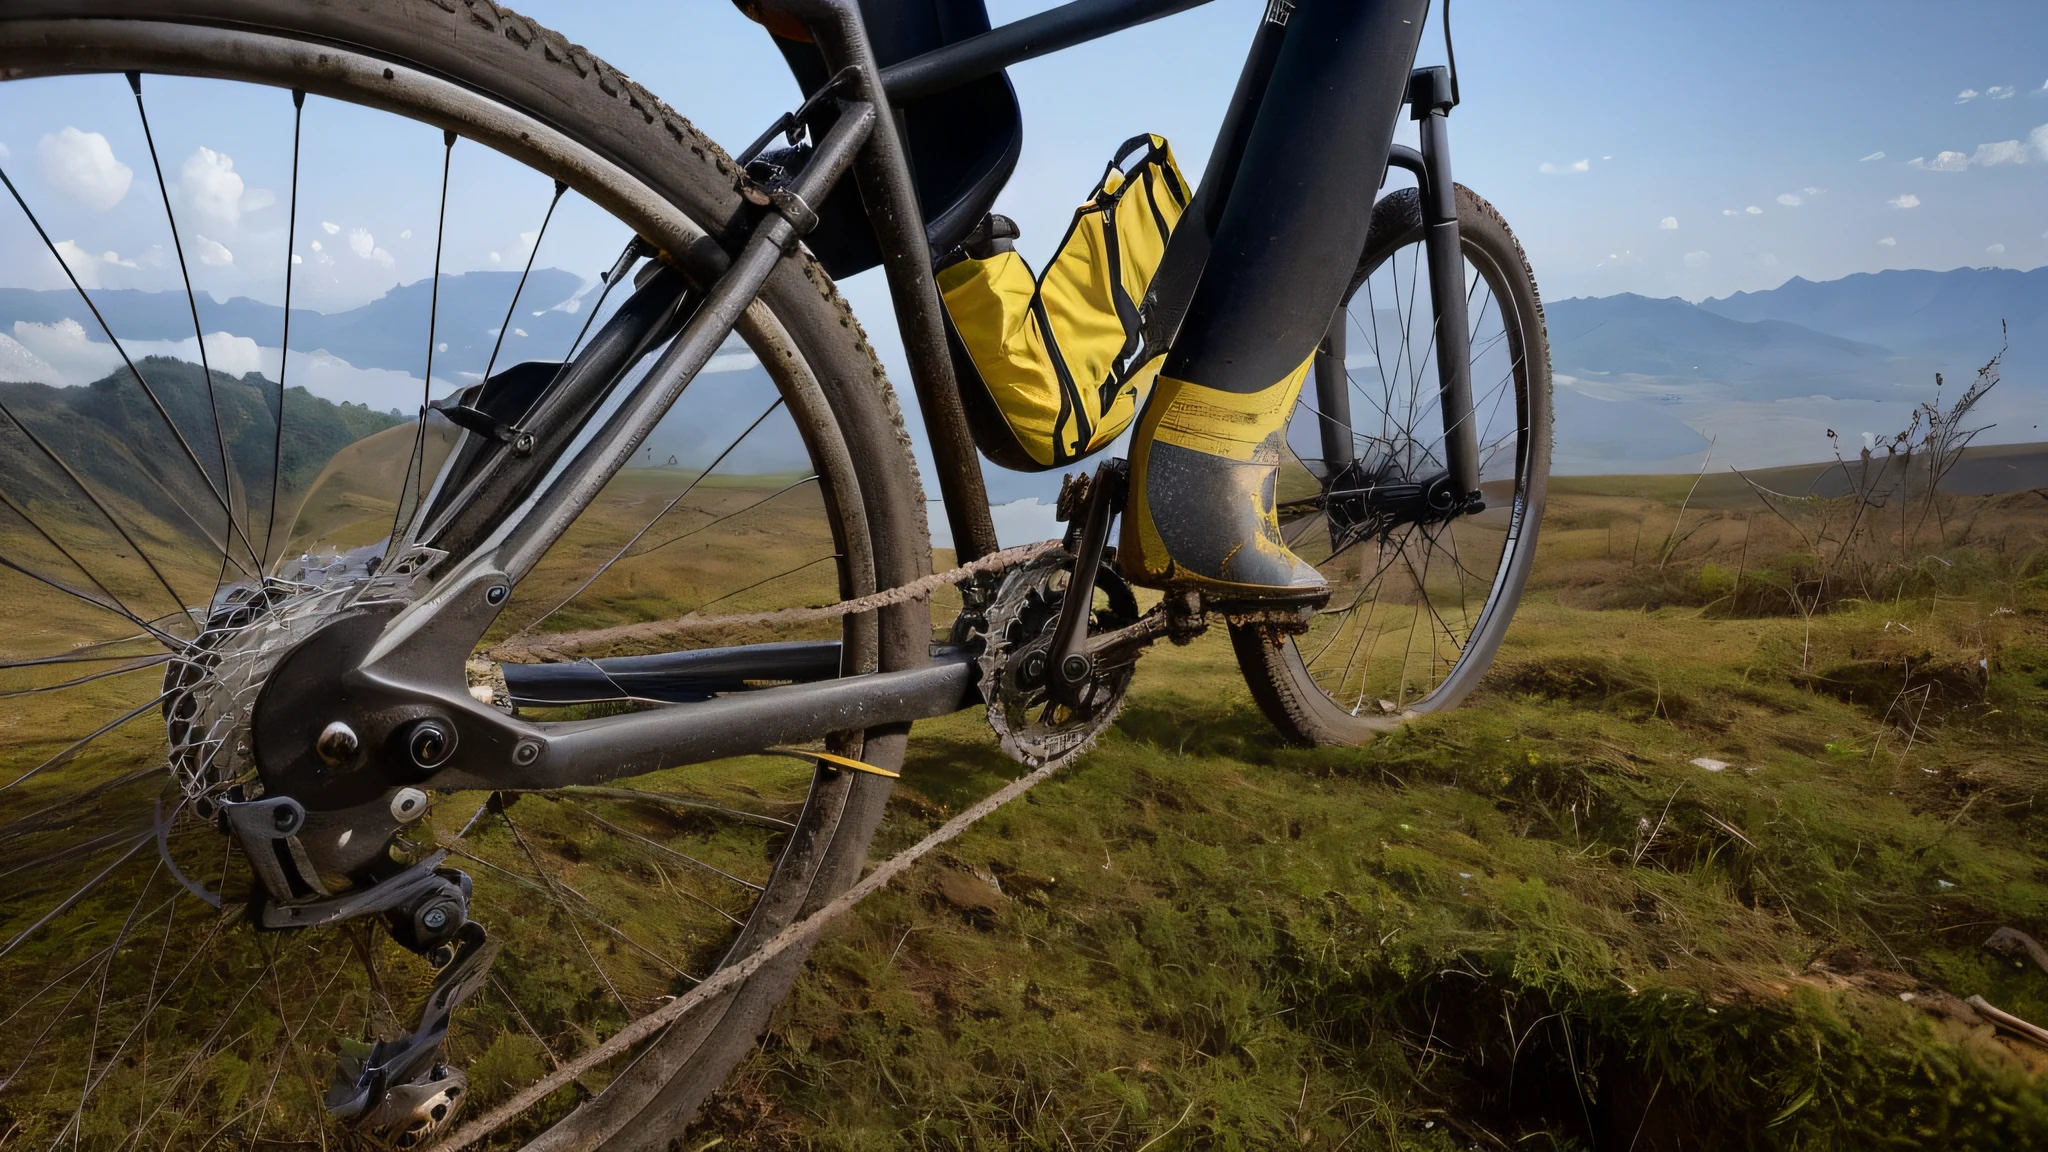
117 452
389 332
1642 384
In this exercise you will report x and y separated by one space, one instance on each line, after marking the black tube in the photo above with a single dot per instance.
594 751
882 172
1295 222
1036 35
1333 396
672 677
1447 301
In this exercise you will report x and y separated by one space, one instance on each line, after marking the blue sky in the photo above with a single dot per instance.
1667 149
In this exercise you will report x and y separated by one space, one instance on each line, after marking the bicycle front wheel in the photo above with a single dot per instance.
156 512
1418 603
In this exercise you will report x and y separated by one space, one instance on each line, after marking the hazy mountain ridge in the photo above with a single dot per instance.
112 435
389 332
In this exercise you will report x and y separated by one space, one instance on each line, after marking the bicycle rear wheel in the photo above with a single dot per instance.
146 519
1418 605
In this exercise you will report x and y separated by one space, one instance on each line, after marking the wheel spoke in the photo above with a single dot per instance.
220 436
531 255
78 745
649 526
155 401
284 350
415 482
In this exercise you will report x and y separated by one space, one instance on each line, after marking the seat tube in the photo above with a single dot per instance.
1430 101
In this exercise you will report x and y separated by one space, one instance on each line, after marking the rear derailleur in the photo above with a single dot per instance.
396 1093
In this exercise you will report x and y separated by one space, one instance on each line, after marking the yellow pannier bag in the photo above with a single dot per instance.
1048 365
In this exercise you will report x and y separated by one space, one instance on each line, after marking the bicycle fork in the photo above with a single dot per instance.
1458 493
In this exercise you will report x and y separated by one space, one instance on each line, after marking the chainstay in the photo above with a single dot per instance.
564 645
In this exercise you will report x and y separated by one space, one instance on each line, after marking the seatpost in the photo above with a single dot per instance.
1429 103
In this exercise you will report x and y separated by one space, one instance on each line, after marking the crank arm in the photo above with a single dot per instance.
1072 666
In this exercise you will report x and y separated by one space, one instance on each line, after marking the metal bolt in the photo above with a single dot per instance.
430 743
434 918
284 818
1075 668
337 743
526 752
495 594
408 804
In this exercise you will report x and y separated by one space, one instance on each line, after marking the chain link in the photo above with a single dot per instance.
562 646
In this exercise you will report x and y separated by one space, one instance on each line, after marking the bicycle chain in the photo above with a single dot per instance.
561 645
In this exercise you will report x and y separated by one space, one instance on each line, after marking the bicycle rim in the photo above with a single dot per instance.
145 1017
1419 603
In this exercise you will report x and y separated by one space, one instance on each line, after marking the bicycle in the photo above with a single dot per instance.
313 699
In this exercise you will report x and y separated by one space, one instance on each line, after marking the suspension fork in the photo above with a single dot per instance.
1333 397
1429 103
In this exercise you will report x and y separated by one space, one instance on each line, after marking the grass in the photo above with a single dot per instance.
1533 922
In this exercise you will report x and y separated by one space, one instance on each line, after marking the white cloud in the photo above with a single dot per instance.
522 331
316 246
18 363
212 188
362 243
405 235
1995 248
2000 92
526 240
1770 261
2001 152
1790 199
1668 224
68 352
1873 156
1730 212
1889 242
1943 162
1814 191
1571 169
114 258
1698 259
1907 201
298 259
212 252
329 227
1966 95
495 258
83 264
4 153
82 164
731 362
2039 139
257 199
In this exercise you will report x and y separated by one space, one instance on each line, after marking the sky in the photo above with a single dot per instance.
1668 149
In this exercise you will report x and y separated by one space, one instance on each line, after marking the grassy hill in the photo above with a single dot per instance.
1536 922
112 435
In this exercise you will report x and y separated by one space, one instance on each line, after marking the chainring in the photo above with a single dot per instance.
1034 728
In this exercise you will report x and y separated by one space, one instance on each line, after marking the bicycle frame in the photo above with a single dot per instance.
410 663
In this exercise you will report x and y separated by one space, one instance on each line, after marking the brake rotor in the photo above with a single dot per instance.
1034 728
